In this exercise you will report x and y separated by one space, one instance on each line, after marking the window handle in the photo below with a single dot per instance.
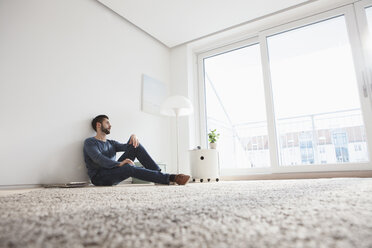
365 89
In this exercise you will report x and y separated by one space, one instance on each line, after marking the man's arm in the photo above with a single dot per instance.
126 161
93 152
119 147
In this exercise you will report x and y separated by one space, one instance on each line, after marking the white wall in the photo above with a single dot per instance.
61 63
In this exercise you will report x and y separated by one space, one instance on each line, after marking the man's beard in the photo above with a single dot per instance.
105 130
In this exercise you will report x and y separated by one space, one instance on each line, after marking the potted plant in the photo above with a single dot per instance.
213 137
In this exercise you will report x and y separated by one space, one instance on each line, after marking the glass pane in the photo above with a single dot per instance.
316 101
235 106
369 19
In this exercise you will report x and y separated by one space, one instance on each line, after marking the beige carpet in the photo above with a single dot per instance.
288 213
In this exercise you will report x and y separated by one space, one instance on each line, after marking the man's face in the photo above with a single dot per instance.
105 126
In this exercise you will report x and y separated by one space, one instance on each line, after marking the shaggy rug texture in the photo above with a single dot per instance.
287 213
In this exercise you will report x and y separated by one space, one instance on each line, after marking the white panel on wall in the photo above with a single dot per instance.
154 93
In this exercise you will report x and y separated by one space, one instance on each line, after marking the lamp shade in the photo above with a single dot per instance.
176 105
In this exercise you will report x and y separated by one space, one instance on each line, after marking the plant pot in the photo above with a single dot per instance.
212 145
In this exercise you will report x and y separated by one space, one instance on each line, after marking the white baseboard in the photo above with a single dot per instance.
298 175
20 186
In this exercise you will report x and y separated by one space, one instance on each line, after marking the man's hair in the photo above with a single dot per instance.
98 118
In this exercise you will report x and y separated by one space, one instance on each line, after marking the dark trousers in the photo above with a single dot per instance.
151 172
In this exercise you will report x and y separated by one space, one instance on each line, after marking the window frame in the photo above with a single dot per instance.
366 40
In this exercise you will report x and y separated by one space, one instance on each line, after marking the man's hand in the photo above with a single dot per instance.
134 141
126 161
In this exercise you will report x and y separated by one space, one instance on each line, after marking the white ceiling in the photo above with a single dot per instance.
174 22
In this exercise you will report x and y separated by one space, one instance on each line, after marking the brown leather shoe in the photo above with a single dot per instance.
181 179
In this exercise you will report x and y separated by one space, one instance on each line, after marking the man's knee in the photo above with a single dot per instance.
134 150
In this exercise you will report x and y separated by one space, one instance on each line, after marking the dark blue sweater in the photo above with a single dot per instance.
101 155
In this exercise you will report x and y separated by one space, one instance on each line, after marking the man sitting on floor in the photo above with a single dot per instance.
104 170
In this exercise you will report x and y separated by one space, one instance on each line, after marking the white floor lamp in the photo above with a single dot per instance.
176 106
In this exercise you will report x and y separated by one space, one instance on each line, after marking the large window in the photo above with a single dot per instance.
292 99
315 92
236 107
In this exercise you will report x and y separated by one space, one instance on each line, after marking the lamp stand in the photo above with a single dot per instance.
177 111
